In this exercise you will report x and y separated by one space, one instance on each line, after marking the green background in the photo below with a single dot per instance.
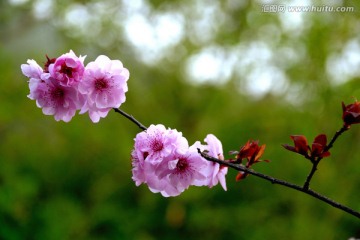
73 180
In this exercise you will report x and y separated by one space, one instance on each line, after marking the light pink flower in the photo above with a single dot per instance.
57 100
33 71
150 149
68 69
158 142
138 167
180 171
104 84
214 172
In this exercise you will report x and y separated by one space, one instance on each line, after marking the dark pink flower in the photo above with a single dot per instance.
68 69
57 100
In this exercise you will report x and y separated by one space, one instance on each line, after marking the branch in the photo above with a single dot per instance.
283 183
131 118
327 148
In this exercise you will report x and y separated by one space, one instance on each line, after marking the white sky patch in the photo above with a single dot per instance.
256 68
43 9
152 36
293 22
212 65
264 80
135 6
17 2
205 18
78 18
346 65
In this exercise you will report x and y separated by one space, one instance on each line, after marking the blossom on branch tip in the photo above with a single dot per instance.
318 148
104 86
163 160
351 113
152 148
65 85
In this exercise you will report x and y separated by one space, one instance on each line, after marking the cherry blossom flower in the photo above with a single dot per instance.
151 148
104 85
57 100
214 172
33 71
68 69
180 171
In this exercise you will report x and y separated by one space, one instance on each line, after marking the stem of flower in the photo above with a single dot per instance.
283 183
131 118
311 174
317 161
337 134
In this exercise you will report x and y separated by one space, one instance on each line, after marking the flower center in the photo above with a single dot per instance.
66 70
57 93
157 145
182 165
100 84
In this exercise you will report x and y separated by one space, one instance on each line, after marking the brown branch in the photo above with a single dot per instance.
273 180
131 118
316 162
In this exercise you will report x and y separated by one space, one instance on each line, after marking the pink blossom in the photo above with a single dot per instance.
33 71
181 171
151 148
104 84
158 142
138 167
214 172
57 100
68 69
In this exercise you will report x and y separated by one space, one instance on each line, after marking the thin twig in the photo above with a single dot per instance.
283 183
327 148
131 118
337 134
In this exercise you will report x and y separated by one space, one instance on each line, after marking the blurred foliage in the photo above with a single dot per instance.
73 181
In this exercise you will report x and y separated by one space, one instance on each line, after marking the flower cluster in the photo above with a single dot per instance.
251 153
163 159
65 85
318 148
